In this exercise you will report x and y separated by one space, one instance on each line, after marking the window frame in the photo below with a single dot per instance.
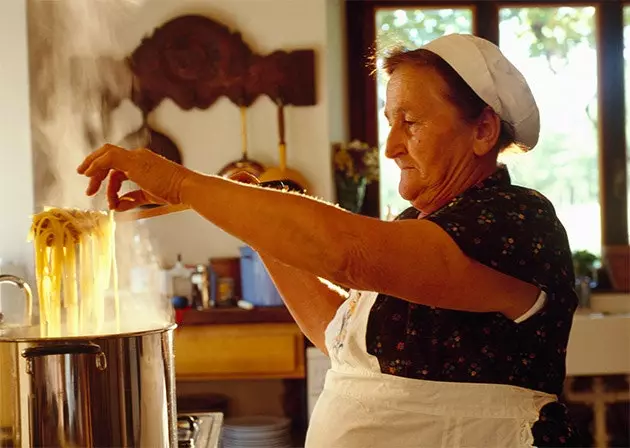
362 93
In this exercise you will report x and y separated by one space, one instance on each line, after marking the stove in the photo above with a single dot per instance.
199 430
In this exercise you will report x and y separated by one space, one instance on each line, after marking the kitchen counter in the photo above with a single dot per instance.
599 344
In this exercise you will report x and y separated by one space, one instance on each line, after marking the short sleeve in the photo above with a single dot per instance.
515 232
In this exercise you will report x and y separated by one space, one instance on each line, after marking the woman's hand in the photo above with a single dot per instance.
159 179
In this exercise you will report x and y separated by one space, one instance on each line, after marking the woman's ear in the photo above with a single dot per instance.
487 133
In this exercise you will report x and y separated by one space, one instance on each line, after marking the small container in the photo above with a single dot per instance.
228 267
179 279
180 302
201 298
225 281
257 286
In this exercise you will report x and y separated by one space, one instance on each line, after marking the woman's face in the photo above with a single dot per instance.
431 143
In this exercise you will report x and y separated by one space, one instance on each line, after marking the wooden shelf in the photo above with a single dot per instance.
227 316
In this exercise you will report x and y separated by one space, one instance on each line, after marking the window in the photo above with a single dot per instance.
555 49
410 28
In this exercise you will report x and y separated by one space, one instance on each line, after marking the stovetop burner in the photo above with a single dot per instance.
199 430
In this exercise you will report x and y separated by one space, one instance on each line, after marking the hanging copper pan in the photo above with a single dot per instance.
281 174
244 163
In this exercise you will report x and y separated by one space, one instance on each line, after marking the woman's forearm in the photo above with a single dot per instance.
305 233
311 301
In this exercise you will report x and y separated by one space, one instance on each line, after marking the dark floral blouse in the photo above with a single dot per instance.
515 231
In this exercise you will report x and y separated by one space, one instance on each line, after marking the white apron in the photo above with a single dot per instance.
362 408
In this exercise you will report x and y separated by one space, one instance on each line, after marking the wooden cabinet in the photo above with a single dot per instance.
239 351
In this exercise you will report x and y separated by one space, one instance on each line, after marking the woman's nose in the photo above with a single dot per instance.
394 146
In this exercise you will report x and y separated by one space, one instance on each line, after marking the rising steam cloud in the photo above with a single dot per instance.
78 80
76 83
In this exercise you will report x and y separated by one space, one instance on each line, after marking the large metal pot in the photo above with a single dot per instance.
106 391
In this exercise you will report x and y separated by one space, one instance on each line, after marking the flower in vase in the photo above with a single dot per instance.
355 165
356 160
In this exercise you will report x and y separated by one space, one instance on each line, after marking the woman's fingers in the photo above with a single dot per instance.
105 158
87 162
129 200
133 199
114 185
94 186
97 165
159 178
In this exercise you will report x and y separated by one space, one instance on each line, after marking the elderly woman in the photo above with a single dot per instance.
456 326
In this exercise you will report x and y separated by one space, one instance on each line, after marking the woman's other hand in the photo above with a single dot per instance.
159 179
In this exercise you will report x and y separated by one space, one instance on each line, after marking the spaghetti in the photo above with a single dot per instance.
75 264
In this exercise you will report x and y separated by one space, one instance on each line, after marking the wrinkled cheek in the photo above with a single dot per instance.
410 184
421 171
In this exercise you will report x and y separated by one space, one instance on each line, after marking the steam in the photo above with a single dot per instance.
78 83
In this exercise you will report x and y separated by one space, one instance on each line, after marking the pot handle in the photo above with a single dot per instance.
79 348
187 420
28 294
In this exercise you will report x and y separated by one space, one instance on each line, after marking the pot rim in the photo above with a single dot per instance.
170 326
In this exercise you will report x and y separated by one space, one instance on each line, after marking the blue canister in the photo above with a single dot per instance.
256 285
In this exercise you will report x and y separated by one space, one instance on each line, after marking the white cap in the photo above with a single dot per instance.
488 72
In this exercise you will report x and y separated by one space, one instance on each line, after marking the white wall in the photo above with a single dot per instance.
16 174
210 139
16 193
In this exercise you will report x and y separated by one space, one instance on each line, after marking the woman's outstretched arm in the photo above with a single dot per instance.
312 301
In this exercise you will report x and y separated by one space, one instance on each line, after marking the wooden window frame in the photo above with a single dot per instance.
363 120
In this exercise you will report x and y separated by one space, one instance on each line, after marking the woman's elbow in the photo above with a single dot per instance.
349 265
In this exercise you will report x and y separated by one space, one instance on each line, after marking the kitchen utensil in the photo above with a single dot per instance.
200 430
244 164
134 215
256 284
147 137
89 391
291 178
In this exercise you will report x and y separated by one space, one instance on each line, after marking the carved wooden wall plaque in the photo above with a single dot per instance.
194 61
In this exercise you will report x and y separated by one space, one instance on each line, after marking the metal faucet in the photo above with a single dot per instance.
28 294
